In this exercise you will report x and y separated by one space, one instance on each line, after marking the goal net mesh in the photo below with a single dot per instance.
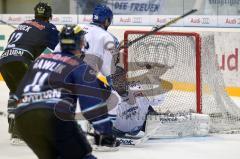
181 72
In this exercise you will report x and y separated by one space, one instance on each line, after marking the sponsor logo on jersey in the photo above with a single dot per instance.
129 112
37 97
12 52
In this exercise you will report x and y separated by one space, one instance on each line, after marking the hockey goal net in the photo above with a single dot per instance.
181 68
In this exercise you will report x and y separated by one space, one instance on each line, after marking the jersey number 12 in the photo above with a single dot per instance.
13 39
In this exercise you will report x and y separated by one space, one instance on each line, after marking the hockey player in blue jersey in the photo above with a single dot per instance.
25 44
102 45
48 96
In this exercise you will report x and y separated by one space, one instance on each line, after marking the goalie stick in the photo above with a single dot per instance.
134 141
137 142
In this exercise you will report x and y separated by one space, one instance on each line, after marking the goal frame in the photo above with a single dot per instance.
197 58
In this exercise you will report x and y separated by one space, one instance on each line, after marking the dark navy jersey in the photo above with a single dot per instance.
29 40
60 78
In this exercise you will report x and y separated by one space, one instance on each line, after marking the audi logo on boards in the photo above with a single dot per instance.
205 20
137 20
29 17
67 19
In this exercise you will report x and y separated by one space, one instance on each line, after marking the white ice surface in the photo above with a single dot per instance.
212 147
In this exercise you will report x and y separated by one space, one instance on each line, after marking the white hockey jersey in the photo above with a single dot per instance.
101 44
131 112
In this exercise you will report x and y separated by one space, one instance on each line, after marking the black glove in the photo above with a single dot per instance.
106 140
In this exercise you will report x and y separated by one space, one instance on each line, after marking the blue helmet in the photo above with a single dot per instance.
101 13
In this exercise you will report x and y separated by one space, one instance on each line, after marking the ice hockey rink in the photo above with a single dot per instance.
212 147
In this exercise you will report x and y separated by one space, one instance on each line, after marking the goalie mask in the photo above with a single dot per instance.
119 81
72 38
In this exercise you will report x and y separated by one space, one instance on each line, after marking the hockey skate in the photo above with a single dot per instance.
15 137
105 143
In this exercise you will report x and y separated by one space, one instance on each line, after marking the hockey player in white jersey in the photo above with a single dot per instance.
101 48
101 43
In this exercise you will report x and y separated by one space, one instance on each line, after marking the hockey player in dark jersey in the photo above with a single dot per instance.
48 96
25 44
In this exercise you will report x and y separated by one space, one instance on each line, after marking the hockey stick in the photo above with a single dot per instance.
131 141
3 22
137 142
196 7
159 28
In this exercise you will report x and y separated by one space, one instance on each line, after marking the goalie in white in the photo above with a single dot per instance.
135 114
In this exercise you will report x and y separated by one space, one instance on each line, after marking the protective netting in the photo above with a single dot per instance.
183 70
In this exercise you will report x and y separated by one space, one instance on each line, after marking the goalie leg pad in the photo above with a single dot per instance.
179 125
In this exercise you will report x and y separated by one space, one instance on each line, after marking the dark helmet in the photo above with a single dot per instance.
43 10
72 37
101 13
